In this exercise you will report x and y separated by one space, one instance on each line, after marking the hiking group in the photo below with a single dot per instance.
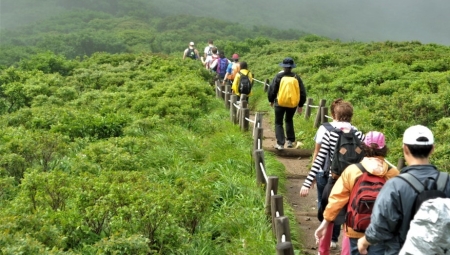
372 201
358 190
232 72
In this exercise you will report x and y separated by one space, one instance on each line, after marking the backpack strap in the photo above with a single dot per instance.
361 167
442 181
413 182
328 126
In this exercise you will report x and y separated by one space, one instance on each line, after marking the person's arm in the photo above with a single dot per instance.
273 89
197 55
340 194
184 54
303 93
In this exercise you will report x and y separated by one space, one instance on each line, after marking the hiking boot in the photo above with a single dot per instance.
289 144
333 245
279 147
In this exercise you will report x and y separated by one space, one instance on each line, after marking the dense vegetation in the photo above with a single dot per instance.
113 145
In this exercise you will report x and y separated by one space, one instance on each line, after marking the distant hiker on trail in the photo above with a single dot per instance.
326 139
243 82
232 69
208 49
191 52
348 187
286 95
210 59
398 199
220 66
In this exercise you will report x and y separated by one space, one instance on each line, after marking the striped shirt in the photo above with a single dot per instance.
327 146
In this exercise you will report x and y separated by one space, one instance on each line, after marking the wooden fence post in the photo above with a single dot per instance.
227 96
282 228
241 115
401 163
217 87
309 102
245 116
258 156
222 91
276 205
233 108
323 113
285 248
272 185
258 122
266 88
257 140
317 121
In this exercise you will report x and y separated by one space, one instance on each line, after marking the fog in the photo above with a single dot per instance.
426 21
348 20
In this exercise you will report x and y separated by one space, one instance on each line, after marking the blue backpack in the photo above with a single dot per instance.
222 65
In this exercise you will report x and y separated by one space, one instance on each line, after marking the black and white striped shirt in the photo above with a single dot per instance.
327 146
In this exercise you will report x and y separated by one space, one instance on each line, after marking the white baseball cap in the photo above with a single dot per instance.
191 43
418 135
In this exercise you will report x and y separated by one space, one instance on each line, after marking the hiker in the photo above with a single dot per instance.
232 69
342 114
395 206
241 86
320 179
284 83
346 187
208 49
191 52
210 59
220 66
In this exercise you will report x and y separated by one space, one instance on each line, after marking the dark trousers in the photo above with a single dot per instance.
286 114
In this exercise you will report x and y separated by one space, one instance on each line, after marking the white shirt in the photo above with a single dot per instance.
336 124
207 50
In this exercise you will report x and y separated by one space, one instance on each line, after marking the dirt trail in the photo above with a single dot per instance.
305 208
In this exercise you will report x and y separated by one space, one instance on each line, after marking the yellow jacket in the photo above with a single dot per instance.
340 193
237 79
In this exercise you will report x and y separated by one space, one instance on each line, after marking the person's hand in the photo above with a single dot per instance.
271 104
321 231
363 244
299 110
304 191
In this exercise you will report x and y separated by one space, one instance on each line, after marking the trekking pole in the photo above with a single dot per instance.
389 163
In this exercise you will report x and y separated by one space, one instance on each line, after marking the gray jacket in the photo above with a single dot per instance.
392 212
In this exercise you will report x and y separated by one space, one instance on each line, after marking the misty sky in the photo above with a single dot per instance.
426 21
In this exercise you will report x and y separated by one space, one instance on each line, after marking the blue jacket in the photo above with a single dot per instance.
392 212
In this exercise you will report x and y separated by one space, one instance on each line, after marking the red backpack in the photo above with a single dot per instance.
362 199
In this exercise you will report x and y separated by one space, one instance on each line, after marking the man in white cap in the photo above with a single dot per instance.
396 203
191 52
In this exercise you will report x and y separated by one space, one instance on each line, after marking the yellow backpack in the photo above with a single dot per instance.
289 92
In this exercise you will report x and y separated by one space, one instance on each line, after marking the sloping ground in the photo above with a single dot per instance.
305 208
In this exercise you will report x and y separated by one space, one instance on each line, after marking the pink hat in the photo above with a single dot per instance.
235 56
376 138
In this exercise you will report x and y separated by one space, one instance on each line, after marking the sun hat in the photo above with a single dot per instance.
288 62
235 56
376 138
191 44
418 135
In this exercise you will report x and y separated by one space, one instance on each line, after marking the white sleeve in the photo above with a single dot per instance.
319 134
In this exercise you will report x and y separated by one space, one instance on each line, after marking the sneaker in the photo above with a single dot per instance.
333 245
289 144
279 147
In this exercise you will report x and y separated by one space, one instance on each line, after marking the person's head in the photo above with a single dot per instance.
221 54
210 41
214 50
342 110
287 64
418 142
235 57
375 144
243 65
191 44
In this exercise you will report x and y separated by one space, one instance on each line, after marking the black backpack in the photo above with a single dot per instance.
437 189
348 151
245 86
191 53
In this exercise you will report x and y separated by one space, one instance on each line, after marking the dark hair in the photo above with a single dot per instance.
221 54
420 151
210 41
243 65
214 50
373 151
342 110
